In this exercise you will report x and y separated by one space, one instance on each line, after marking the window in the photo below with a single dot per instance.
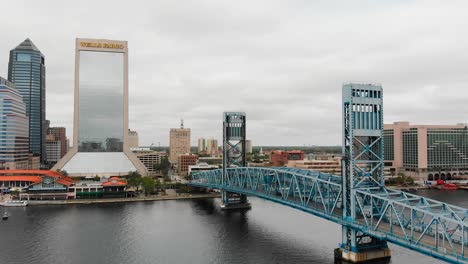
23 57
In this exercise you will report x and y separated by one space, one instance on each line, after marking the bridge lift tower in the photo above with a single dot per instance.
363 165
234 155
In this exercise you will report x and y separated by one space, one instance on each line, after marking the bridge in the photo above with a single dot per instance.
370 214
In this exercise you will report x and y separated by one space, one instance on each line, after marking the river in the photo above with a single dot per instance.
181 231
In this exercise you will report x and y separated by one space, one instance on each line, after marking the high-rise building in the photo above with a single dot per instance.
201 145
26 69
14 146
212 147
133 141
179 142
248 146
427 152
60 134
100 135
53 149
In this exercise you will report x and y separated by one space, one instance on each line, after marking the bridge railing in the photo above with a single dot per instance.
415 221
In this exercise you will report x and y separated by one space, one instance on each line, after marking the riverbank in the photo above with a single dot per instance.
126 200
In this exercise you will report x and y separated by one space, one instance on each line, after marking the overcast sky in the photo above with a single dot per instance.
282 62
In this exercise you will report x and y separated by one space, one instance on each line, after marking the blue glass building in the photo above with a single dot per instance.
14 137
27 71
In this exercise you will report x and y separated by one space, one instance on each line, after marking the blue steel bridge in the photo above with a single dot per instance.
370 214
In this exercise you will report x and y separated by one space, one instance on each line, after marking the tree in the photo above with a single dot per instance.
96 178
148 185
163 166
134 179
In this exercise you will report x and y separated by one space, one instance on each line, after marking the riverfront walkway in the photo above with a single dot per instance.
184 196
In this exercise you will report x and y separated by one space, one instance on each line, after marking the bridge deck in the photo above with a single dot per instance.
430 227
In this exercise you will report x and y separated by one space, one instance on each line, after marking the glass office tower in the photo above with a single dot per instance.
14 133
101 112
27 71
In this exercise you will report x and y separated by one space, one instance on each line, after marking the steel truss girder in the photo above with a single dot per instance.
389 215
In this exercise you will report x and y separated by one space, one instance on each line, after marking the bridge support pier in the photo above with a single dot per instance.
234 201
362 256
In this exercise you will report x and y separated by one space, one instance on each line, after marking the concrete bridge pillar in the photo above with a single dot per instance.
234 201
362 256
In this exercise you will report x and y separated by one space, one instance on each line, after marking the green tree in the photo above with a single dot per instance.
148 185
134 179
163 166
96 178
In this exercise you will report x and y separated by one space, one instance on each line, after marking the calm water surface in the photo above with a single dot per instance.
194 231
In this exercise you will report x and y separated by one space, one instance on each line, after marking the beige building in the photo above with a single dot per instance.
212 147
149 158
427 152
179 142
329 164
133 141
201 145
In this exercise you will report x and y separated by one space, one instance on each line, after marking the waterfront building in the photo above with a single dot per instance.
133 141
149 158
60 134
100 136
281 158
201 166
201 145
14 146
184 162
24 178
248 146
427 152
26 69
179 142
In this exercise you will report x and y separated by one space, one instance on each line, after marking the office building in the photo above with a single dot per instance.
200 167
281 158
60 134
427 152
100 135
149 158
179 142
325 163
14 146
212 147
133 141
248 146
26 69
53 149
184 162
201 145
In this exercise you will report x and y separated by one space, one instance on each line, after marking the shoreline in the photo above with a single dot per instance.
123 200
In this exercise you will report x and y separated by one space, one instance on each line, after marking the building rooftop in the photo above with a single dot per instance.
27 44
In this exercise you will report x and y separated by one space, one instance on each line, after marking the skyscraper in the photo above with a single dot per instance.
14 146
179 142
27 71
100 135
201 145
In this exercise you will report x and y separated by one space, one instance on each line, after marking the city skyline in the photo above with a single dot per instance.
283 65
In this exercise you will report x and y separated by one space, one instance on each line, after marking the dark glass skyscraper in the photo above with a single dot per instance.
27 71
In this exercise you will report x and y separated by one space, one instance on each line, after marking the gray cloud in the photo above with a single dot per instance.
283 62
